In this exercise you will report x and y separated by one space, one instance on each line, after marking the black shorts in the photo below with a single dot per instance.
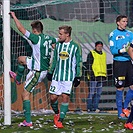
123 73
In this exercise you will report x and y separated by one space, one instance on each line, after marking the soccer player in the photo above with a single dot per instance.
65 71
38 63
119 41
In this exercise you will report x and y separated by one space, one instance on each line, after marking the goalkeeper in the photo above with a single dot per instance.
38 63
119 41
65 70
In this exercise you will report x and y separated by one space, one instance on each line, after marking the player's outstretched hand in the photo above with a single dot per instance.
49 76
76 81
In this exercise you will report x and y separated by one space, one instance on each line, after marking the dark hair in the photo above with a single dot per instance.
120 17
98 42
37 25
67 29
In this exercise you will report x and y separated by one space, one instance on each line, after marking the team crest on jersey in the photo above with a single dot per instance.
127 34
64 55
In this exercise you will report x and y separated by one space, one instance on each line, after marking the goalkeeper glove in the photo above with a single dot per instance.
49 76
76 81
125 49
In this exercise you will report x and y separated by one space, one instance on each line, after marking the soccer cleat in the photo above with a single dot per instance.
25 124
59 124
13 75
56 118
122 116
128 126
126 112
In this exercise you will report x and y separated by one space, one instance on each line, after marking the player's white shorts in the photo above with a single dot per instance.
33 78
59 87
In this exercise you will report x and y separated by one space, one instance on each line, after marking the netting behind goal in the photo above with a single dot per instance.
91 20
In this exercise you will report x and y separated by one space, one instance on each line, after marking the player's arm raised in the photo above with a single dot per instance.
18 23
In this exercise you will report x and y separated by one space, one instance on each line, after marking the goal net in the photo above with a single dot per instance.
91 21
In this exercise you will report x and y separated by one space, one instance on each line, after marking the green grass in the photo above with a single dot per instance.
73 123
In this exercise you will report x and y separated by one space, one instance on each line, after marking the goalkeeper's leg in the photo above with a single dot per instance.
119 95
129 97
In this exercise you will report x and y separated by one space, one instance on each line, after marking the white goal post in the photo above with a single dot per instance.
7 60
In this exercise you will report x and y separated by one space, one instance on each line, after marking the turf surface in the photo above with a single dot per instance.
73 123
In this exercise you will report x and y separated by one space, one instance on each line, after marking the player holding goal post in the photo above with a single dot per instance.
37 64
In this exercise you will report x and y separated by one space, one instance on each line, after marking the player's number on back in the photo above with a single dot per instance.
47 45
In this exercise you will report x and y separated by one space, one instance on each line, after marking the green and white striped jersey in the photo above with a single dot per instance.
41 50
67 61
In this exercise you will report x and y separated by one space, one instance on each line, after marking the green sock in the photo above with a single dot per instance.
63 110
20 72
27 108
55 107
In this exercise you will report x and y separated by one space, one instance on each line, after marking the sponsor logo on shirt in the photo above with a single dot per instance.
64 55
120 37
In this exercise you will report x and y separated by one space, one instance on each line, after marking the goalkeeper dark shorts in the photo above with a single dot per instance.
123 73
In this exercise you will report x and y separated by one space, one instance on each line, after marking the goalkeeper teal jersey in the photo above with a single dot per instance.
41 50
67 61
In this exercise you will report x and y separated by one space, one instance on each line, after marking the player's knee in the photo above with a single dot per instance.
52 101
53 98
21 60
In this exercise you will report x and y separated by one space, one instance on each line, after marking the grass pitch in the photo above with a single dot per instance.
73 123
